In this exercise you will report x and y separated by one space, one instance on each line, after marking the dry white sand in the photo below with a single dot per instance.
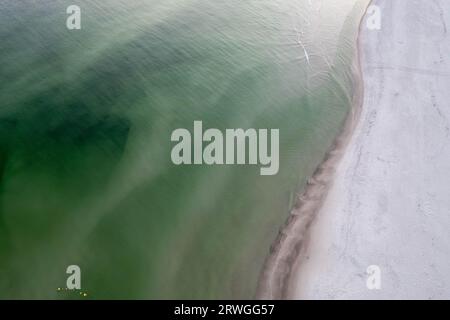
389 204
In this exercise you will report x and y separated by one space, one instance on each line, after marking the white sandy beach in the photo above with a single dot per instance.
389 204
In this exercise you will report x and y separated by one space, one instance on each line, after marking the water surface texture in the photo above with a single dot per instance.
85 122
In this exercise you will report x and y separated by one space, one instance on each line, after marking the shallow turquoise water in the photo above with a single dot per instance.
85 124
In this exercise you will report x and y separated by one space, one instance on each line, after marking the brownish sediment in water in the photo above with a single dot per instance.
292 238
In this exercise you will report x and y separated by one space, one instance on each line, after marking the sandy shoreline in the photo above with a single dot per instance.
280 265
389 203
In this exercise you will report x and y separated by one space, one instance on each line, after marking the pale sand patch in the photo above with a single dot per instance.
390 200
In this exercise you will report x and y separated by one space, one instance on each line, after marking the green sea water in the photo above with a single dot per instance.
86 116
